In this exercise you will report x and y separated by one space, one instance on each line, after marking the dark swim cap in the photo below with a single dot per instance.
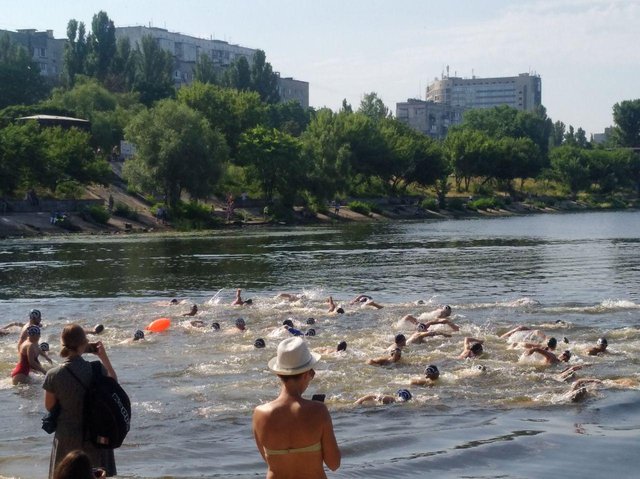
259 343
294 331
476 348
602 342
342 346
35 315
400 338
215 326
552 343
404 394
431 372
311 321
287 322
139 334
98 329
422 327
311 332
44 347
567 353
240 322
33 331
340 311
248 301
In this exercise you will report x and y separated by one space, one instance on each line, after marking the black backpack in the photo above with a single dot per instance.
107 410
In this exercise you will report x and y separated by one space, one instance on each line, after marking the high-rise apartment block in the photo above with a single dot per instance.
187 49
448 98
46 51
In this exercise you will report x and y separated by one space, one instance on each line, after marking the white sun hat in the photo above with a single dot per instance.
293 357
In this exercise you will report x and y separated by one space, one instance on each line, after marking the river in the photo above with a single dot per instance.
575 276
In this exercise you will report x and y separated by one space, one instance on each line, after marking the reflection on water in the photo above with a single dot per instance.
193 390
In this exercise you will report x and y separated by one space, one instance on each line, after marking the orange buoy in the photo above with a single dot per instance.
159 325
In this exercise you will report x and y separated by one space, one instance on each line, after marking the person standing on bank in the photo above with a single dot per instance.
295 435
63 389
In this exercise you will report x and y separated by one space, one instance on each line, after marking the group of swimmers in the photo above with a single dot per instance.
535 344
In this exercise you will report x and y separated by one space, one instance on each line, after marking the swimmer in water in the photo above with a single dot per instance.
28 357
44 348
392 358
366 301
239 301
138 336
97 330
333 307
403 395
240 325
35 319
600 348
431 375
472 348
4 330
444 312
290 296
342 346
399 341
433 322
532 333
259 343
549 357
419 336
193 312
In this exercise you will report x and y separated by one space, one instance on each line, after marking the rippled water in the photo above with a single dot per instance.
193 389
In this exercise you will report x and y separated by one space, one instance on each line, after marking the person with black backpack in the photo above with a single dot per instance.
70 389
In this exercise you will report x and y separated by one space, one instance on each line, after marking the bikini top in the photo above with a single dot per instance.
279 452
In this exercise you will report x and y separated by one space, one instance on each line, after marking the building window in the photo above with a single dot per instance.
42 52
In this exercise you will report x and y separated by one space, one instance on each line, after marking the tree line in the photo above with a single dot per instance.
227 133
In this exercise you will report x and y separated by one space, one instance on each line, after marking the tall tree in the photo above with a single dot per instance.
154 71
205 71
75 51
123 67
176 150
101 46
626 116
557 135
238 75
373 107
263 79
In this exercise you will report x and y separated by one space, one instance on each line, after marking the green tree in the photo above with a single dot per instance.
263 79
101 46
373 107
230 111
467 150
557 135
123 67
154 71
570 166
75 51
21 156
177 150
289 117
328 156
274 160
205 71
238 75
20 79
626 116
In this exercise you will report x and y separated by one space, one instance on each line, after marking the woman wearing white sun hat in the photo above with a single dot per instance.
295 435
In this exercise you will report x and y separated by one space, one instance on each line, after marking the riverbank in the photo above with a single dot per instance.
33 224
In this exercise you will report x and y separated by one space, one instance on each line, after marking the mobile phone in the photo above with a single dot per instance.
318 397
91 348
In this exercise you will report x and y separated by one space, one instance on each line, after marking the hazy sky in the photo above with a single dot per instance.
586 51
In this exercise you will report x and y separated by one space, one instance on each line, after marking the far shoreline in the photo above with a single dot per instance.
37 225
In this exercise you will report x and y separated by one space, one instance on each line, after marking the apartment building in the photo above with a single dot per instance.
448 98
187 49
46 51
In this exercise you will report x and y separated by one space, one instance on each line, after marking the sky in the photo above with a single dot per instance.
586 51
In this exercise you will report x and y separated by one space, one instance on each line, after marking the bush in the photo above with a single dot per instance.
190 216
429 204
124 211
481 189
485 204
98 214
456 203
69 190
360 207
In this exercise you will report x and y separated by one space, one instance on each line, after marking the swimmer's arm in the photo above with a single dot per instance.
418 382
411 319
46 356
430 334
549 356
33 360
330 451
451 324
368 397
514 330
